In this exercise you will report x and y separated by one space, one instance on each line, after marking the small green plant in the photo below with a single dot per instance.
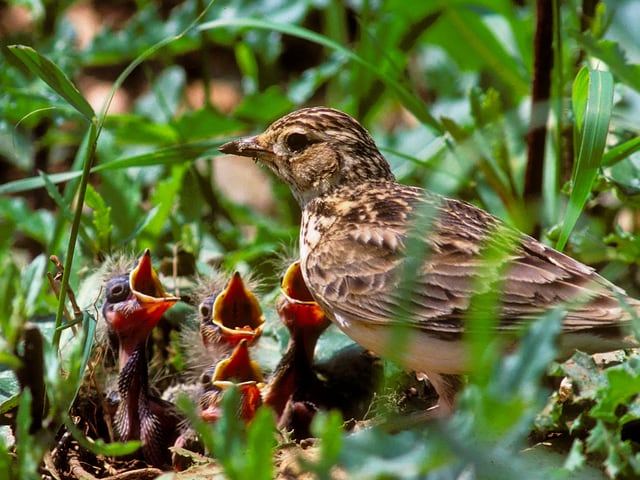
445 89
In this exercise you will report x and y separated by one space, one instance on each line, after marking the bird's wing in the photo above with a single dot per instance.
365 268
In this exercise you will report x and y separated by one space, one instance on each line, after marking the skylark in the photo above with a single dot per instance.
358 224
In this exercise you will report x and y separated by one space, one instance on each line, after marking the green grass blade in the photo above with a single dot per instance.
163 156
410 100
50 73
480 41
63 206
592 101
620 152
88 156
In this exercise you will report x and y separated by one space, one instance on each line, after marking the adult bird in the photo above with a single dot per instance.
134 303
357 224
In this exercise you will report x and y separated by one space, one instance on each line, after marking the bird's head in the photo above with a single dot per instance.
237 370
314 150
232 315
133 305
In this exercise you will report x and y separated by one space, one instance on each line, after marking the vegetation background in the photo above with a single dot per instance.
110 116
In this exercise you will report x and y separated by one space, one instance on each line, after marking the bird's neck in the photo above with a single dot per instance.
133 386
338 187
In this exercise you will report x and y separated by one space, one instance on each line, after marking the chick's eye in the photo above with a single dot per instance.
205 311
205 379
296 142
118 291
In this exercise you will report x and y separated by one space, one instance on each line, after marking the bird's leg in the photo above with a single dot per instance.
447 387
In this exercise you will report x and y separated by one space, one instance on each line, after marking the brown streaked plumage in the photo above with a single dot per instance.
356 225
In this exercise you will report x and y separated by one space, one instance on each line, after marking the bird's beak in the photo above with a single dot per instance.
245 147
148 290
238 367
293 286
238 370
236 314
306 321
297 308
132 320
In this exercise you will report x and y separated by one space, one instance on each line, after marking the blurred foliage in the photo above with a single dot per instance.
444 88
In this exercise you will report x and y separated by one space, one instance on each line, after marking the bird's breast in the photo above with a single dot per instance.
312 229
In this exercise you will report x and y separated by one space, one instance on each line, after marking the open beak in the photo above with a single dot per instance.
236 315
132 318
238 366
245 147
297 308
148 290
238 370
293 286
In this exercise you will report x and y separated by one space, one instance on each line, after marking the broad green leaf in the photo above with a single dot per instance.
206 123
53 76
32 279
18 217
584 374
461 25
130 129
25 448
327 427
139 227
622 385
161 103
625 175
163 200
264 106
576 458
603 441
611 53
373 453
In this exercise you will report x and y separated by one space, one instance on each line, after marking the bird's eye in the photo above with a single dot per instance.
118 290
205 379
296 142
205 311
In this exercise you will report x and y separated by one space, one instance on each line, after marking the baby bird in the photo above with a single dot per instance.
133 304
